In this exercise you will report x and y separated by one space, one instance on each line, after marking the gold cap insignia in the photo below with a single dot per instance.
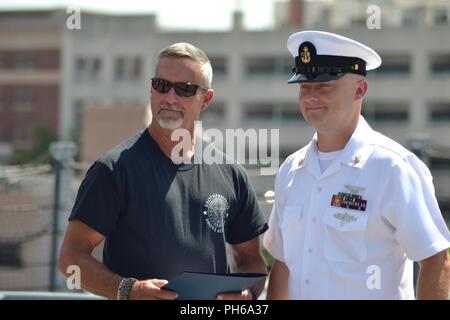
305 55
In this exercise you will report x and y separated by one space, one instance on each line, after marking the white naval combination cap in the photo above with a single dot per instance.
324 56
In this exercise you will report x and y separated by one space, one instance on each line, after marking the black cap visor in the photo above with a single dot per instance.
314 77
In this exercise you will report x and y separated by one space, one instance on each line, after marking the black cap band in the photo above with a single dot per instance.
331 64
308 62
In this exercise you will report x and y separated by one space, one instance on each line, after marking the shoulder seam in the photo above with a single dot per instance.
402 152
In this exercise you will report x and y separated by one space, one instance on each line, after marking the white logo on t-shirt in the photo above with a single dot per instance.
216 212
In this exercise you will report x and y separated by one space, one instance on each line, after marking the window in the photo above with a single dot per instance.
358 22
80 65
10 255
268 66
439 163
49 59
258 111
96 66
284 66
384 112
119 68
394 64
25 60
214 112
440 64
411 17
23 138
219 65
127 68
260 66
439 111
87 68
440 17
23 99
275 111
289 111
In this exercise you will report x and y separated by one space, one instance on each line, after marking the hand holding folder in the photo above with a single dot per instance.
206 286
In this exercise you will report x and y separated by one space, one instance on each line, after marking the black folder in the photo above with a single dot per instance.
206 286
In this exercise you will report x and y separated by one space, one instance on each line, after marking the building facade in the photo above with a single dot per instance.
30 78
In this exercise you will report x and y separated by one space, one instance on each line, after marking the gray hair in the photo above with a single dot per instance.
187 50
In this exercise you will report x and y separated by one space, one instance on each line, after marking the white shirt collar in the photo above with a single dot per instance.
356 151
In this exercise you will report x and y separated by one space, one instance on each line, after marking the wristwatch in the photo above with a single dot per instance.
123 291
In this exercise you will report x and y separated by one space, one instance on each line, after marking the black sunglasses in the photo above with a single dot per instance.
182 89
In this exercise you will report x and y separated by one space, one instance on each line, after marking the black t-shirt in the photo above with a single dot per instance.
159 218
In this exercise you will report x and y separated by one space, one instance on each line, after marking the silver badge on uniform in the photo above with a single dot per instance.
345 217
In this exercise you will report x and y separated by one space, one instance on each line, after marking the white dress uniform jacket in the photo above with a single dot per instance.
335 252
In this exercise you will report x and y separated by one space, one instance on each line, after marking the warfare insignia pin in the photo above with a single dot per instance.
354 189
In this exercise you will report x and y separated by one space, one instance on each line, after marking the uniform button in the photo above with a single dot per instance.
319 189
307 281
310 250
314 220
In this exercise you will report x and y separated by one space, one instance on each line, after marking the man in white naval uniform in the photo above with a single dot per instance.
353 209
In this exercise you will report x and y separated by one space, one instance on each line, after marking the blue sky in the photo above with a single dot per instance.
197 14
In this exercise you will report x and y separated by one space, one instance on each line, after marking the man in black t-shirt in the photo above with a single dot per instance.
159 218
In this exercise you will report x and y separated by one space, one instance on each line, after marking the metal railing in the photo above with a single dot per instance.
37 295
